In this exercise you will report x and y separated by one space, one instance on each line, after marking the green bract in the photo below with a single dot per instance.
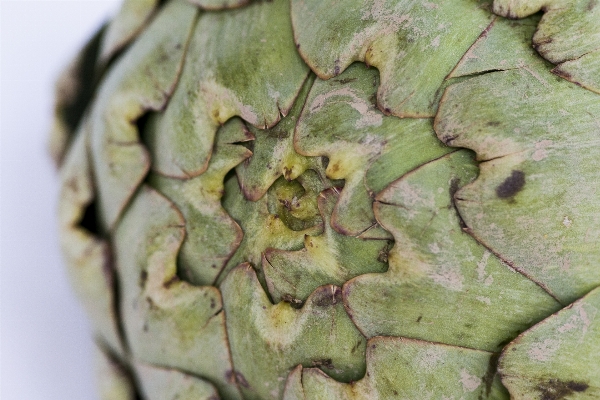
324 199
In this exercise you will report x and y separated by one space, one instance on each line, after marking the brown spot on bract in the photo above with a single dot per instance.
241 380
327 363
143 278
511 185
328 296
555 389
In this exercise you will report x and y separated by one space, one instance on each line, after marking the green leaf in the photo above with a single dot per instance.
140 81
535 201
407 369
506 44
365 148
268 340
441 286
167 322
114 382
86 255
414 45
557 358
568 35
133 16
240 63
166 384
212 236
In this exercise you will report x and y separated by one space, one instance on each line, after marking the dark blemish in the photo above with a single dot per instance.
297 45
327 363
488 378
145 327
373 99
212 303
420 318
454 186
171 281
325 297
346 80
493 123
151 304
89 221
214 266
178 46
591 5
562 74
241 380
387 110
336 69
143 278
294 302
555 389
229 376
511 185
373 346
447 139
356 346
395 393
503 343
87 78
537 46
382 257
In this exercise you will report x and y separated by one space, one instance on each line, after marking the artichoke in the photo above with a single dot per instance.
324 199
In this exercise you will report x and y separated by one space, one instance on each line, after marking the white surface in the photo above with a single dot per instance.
45 346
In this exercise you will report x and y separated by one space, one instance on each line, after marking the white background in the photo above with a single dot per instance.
45 346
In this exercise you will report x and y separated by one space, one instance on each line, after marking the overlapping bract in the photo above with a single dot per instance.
255 260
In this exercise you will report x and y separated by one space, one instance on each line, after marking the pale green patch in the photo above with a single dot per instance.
268 340
441 285
133 16
113 381
568 35
406 369
212 236
166 384
330 258
414 45
365 148
86 256
167 322
240 63
557 358
535 200
140 81
273 153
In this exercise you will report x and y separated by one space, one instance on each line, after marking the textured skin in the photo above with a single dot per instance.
326 199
